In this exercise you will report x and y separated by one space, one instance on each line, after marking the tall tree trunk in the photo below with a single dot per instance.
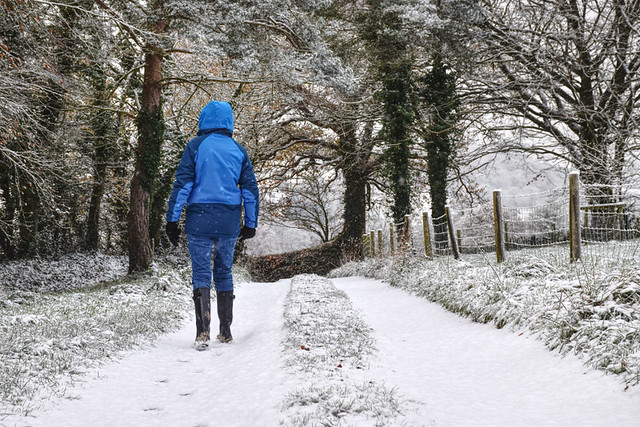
396 124
355 170
597 175
439 95
354 209
93 220
150 135
391 55
103 133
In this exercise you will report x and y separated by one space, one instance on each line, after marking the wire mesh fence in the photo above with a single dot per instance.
535 221
604 222
610 214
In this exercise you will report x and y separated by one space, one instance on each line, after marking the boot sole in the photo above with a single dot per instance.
201 346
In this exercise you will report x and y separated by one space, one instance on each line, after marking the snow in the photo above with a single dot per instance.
466 373
171 384
444 369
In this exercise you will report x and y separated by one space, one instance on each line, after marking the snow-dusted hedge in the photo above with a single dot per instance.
72 271
326 342
591 309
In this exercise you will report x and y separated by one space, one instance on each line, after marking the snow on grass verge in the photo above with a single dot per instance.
72 271
591 309
327 342
50 339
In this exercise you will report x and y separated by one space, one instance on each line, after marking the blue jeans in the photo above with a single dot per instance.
200 251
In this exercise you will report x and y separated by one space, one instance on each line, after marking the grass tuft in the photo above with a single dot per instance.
326 342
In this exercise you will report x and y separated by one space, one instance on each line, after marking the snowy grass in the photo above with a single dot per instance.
326 342
72 271
590 308
49 339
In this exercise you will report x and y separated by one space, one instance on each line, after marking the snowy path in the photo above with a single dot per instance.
466 373
237 384
449 370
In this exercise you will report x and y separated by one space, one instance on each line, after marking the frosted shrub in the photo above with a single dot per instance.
72 271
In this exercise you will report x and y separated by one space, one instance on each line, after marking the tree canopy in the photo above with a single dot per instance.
334 100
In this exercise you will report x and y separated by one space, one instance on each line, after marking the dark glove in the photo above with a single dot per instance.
247 233
173 232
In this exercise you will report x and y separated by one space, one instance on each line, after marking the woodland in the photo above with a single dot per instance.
334 100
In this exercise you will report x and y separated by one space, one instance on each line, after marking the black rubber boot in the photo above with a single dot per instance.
225 314
202 302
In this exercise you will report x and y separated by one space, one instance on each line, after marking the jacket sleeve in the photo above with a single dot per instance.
250 194
185 178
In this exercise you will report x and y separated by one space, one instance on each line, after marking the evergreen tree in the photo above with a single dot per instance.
382 29
438 93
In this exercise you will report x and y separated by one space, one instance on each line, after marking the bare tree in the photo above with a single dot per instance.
311 202
562 76
32 170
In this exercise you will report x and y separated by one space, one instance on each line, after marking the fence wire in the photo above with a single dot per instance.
531 227
533 224
610 214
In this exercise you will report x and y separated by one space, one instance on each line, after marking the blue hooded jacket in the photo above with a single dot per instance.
214 178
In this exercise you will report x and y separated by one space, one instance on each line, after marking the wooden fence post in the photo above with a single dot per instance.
380 243
452 233
575 239
365 244
426 232
372 243
497 225
392 245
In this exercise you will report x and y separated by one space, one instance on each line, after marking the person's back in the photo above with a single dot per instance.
214 179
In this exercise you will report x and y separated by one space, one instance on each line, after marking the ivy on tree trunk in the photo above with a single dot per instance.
382 29
397 121
355 169
150 136
438 92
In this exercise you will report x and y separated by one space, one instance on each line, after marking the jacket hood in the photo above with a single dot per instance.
216 115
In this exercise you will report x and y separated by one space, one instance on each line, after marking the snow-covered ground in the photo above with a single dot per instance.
436 367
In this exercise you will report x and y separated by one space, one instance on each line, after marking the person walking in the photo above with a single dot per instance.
215 179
